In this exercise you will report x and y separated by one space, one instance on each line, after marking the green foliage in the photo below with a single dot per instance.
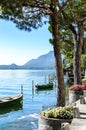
83 60
75 10
67 47
73 13
25 14
84 80
59 112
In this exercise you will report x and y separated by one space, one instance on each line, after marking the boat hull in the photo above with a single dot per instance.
44 86
10 101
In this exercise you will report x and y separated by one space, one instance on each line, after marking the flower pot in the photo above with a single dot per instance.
51 123
74 95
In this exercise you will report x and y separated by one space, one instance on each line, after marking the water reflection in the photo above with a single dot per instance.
11 108
43 91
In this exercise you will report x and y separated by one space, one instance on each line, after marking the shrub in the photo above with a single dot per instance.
59 112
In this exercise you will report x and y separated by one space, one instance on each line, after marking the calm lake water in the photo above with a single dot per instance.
26 116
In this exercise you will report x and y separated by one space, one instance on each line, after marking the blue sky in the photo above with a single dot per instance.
18 46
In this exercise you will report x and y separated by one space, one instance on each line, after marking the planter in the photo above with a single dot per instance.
51 123
74 95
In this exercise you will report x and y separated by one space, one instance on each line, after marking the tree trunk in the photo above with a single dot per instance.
78 41
57 54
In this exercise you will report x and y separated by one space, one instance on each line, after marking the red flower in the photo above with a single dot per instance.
76 87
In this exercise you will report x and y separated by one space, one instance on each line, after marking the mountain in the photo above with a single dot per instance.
45 61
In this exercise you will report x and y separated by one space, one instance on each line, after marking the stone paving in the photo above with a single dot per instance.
80 122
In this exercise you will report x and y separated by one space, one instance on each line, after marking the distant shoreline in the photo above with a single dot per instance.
28 69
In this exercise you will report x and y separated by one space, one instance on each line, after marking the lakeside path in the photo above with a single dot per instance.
80 122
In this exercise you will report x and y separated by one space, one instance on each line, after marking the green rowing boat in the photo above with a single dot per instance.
44 86
10 100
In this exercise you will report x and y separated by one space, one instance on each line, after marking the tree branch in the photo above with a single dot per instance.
83 21
72 29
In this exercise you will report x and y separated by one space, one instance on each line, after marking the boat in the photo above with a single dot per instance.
9 101
44 86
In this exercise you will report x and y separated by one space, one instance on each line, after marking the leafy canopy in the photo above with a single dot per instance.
27 14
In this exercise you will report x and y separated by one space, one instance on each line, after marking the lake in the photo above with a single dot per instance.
26 116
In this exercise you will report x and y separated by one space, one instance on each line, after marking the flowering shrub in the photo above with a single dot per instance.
59 112
78 87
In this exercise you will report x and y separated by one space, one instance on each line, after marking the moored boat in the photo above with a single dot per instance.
10 100
44 86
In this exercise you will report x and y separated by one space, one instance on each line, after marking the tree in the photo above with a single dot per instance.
67 48
28 14
75 20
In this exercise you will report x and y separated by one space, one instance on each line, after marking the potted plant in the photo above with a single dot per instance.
52 118
75 91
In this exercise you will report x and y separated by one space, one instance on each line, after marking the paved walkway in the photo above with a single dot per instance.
80 123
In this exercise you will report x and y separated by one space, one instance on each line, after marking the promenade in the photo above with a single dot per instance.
79 123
